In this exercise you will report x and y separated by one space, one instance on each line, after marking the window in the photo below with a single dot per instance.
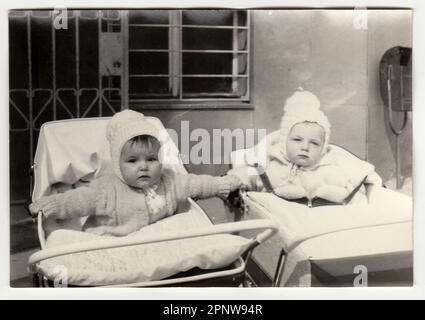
188 55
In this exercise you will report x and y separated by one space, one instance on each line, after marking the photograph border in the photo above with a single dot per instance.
415 292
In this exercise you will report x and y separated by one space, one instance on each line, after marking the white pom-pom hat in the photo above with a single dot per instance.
303 106
122 127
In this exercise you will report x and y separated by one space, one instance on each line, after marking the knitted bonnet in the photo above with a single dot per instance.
303 106
122 127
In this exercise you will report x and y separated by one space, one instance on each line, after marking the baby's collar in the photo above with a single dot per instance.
144 190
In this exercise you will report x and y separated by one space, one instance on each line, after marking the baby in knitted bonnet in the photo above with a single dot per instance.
300 166
137 190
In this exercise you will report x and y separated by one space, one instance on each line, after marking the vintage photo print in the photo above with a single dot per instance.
211 147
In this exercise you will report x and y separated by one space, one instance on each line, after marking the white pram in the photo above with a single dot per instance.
182 250
341 245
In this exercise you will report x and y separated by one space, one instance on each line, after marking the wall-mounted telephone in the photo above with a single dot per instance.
395 72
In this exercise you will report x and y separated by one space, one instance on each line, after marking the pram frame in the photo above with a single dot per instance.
233 227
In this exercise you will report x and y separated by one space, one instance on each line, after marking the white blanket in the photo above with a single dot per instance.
145 262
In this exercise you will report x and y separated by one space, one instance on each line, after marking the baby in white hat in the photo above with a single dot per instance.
301 166
298 163
138 190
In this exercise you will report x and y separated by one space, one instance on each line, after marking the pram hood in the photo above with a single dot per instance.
74 150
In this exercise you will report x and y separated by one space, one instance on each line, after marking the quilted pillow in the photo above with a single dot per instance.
146 262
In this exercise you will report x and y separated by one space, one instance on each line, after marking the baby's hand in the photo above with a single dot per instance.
243 174
229 183
46 205
290 191
34 209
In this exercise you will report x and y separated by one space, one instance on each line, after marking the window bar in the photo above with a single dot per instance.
214 76
153 25
30 101
172 57
77 63
99 26
108 29
34 14
109 17
85 17
17 14
235 55
176 46
213 27
180 71
138 75
53 65
209 99
125 62
194 26
149 50
30 106
190 51
216 51
248 57
171 54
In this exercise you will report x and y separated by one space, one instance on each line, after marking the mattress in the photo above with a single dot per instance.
145 262
334 242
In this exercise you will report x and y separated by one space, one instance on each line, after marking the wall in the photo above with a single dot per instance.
208 120
323 52
291 49
320 51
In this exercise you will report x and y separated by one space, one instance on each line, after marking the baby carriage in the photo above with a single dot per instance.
182 250
341 245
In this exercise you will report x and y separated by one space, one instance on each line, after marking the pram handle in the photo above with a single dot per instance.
270 226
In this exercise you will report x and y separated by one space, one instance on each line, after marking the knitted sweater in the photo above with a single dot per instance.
115 208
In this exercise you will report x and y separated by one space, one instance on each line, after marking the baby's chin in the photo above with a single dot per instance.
305 163
148 183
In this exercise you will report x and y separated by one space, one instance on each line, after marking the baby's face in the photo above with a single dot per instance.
140 166
305 143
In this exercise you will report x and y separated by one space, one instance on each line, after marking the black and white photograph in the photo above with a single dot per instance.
211 147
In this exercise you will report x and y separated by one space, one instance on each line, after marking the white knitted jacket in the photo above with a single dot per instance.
110 202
